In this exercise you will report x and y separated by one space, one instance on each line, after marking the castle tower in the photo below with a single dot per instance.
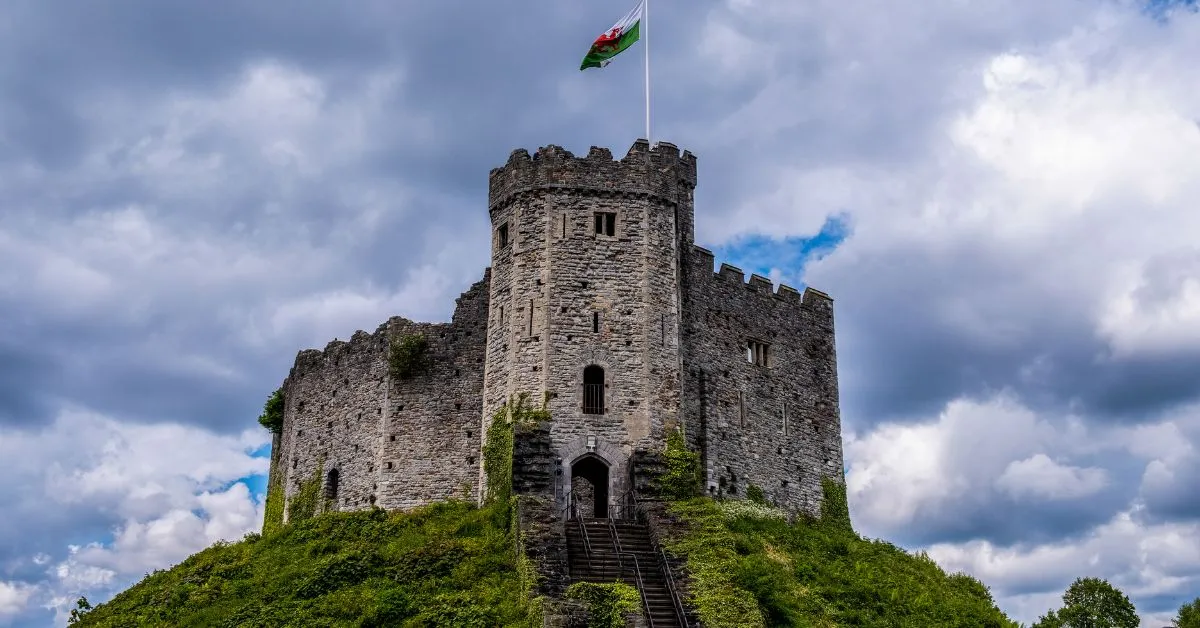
584 302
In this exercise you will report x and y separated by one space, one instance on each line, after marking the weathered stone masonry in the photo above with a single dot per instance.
598 300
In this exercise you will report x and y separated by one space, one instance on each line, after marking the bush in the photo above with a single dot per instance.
607 604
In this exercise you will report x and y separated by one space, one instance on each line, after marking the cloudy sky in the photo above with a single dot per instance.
1000 194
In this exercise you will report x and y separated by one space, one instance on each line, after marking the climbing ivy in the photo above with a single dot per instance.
408 355
498 445
835 510
303 504
682 478
607 603
272 414
273 518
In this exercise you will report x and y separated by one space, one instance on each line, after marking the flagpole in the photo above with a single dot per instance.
646 50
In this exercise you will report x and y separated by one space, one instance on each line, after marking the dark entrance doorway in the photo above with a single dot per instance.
589 484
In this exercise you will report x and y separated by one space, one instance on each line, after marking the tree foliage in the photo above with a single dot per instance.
272 414
1189 615
1091 603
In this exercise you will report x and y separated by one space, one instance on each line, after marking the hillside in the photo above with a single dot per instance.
446 565
455 565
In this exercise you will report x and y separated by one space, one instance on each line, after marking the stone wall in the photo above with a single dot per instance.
774 426
564 297
395 444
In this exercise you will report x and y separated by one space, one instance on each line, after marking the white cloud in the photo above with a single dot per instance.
1039 477
13 597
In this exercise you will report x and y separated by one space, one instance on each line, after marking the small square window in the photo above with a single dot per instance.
502 235
757 353
606 223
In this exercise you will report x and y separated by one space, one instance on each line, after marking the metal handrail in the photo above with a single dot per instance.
572 512
641 586
676 601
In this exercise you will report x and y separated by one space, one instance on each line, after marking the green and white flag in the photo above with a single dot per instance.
615 40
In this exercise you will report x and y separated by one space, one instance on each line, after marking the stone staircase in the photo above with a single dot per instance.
604 566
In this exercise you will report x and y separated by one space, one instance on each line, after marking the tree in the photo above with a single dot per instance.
272 415
1189 615
1091 603
82 607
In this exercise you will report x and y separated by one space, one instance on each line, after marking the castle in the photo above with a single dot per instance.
599 302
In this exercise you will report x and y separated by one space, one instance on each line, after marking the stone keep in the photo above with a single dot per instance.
598 302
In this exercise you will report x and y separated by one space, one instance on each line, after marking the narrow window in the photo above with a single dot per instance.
501 314
593 390
530 323
757 352
502 235
564 225
606 223
595 322
331 485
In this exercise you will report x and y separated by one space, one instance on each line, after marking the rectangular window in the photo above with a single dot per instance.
502 235
564 225
757 352
606 223
595 322
530 330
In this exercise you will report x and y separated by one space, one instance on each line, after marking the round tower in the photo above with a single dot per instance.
587 257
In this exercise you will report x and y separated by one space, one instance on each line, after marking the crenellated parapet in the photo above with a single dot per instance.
815 303
660 172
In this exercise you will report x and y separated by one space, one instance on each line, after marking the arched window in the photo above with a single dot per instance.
593 390
331 486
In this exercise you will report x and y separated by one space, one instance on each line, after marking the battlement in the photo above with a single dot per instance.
728 274
660 171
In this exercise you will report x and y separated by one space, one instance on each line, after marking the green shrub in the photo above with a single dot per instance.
608 603
756 495
408 356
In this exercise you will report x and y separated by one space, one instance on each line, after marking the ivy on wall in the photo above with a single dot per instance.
303 504
273 517
408 356
498 445
682 477
835 510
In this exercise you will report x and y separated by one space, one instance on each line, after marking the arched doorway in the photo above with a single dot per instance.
589 484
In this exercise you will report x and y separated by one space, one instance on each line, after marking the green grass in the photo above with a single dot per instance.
749 567
449 564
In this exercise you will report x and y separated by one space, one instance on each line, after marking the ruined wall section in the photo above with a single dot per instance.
777 426
567 297
333 417
430 450
394 444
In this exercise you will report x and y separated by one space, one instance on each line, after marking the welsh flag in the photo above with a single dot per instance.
614 41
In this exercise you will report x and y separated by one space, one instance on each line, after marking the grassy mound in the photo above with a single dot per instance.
449 564
749 567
